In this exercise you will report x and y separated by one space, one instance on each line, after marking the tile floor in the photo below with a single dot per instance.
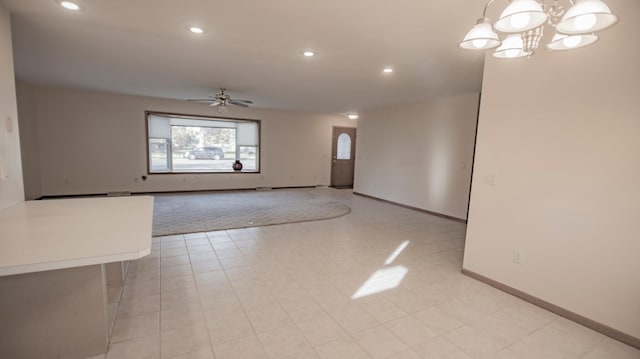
381 282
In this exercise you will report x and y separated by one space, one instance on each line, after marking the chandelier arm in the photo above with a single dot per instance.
486 6
484 12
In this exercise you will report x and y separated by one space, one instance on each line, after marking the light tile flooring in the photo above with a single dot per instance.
381 282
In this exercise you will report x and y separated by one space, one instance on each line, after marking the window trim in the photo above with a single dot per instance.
200 117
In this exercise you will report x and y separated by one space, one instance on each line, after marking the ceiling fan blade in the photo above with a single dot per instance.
237 103
215 103
245 101
200 100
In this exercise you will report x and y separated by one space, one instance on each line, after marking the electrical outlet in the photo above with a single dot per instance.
517 258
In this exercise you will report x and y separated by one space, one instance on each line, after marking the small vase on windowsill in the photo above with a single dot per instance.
237 166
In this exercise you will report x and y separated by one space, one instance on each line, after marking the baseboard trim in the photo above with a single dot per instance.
60 196
589 323
413 208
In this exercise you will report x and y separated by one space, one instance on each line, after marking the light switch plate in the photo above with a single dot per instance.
490 179
3 173
8 124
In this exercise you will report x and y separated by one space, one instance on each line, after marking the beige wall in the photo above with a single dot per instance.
419 154
29 149
559 133
89 142
11 187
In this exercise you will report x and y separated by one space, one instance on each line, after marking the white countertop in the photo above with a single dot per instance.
63 233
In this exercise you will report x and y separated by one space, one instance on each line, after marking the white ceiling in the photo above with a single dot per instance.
252 47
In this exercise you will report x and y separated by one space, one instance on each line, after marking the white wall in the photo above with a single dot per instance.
419 154
89 142
561 134
11 187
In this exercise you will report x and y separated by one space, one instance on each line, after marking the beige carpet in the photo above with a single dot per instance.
203 212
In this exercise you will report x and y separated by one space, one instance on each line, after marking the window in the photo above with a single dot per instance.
344 147
198 144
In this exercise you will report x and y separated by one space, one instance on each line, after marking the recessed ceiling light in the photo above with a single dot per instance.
353 116
196 29
387 70
69 5
309 53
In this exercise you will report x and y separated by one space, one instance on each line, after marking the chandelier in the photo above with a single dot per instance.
523 22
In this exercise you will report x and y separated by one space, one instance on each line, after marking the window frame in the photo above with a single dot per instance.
201 117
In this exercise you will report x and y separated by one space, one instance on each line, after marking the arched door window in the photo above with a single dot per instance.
344 147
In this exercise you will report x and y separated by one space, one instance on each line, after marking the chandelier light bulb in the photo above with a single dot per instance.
585 22
513 53
520 21
479 43
572 41
511 48
562 42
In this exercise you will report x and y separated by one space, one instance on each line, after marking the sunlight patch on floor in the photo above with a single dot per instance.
382 280
385 278
396 253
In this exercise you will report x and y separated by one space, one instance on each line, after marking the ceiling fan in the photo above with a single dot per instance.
221 100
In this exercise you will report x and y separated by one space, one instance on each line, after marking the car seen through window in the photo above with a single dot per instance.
210 152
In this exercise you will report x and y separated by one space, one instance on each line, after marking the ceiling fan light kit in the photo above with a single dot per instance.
523 23
221 100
